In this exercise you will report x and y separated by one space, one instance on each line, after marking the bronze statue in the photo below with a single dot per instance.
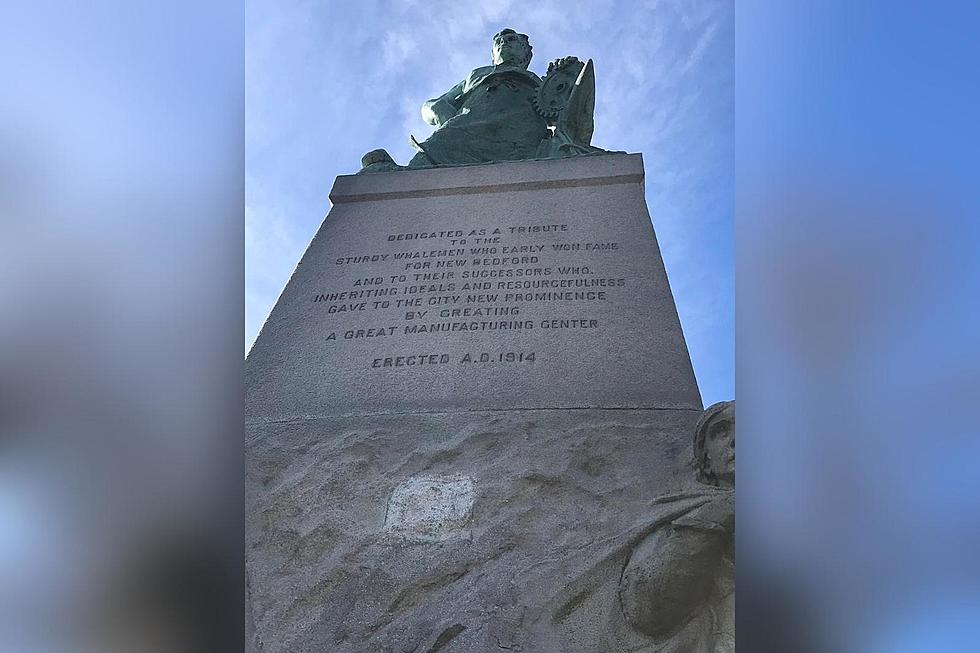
505 112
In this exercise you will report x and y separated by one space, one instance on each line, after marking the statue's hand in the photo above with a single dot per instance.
558 63
438 112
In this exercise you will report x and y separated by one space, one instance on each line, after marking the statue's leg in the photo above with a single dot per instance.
420 160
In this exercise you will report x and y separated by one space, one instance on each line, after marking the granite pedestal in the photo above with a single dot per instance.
459 411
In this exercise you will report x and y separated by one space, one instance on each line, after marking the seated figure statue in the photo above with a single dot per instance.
504 112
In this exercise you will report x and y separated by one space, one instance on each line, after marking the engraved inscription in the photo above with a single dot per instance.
518 279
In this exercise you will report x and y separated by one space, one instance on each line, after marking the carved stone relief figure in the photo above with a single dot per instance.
667 583
505 112
678 586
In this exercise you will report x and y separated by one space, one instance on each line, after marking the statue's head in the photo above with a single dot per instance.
714 444
511 48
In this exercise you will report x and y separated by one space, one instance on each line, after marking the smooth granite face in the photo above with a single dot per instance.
510 286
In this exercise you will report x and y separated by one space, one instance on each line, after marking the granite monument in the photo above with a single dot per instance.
469 415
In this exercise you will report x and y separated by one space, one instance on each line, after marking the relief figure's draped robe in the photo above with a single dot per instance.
604 574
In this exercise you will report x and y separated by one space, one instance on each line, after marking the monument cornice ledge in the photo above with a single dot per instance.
306 417
507 176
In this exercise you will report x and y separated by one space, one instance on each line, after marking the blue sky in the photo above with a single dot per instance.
328 81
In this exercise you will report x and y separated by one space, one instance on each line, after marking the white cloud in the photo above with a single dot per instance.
694 58
398 48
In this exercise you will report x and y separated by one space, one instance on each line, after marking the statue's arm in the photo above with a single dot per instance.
672 572
439 110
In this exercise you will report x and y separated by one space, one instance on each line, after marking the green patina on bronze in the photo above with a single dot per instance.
505 112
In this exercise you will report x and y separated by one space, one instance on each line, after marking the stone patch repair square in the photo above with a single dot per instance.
431 508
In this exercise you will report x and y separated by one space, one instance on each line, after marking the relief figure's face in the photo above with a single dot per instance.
510 49
719 444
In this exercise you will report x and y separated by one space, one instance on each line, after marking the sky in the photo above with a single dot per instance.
328 81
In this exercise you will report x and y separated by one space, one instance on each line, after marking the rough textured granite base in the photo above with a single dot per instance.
560 499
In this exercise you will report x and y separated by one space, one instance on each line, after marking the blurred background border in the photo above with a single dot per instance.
121 326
